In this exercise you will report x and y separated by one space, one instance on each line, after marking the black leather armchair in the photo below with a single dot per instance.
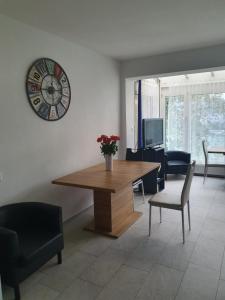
31 233
176 162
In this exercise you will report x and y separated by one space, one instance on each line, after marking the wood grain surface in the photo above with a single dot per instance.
113 193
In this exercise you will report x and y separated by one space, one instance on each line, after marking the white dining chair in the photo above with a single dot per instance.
176 202
207 164
136 184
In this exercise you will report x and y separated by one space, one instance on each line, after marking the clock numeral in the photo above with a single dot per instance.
37 76
65 101
64 81
37 101
53 113
41 67
61 109
63 78
50 66
58 71
65 91
33 87
44 110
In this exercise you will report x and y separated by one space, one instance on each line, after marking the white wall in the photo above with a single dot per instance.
153 66
33 151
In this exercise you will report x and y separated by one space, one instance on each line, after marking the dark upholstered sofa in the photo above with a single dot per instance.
176 162
31 233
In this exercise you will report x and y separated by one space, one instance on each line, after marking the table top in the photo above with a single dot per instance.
97 178
220 150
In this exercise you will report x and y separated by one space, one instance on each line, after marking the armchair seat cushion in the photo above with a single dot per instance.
177 166
36 243
166 200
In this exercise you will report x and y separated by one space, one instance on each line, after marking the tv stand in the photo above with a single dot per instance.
154 181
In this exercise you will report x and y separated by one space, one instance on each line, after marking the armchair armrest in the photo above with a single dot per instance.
9 249
188 158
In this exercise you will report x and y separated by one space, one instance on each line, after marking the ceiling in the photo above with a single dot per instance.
125 29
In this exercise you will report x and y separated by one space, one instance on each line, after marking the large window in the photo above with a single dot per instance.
174 122
193 113
207 121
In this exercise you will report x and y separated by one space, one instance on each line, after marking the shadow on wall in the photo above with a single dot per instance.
72 200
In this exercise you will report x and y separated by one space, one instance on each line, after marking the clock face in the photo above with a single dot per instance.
48 89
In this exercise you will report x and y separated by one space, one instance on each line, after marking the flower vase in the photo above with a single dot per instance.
108 162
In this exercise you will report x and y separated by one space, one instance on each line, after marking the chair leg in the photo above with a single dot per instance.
17 292
182 215
160 214
189 216
205 173
150 218
59 255
143 191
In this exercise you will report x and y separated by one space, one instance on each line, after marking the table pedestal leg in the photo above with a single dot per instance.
113 212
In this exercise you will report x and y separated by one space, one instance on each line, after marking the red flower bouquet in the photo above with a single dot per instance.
108 144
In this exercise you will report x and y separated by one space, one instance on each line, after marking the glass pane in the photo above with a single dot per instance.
207 122
174 117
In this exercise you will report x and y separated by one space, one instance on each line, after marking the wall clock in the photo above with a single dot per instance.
48 89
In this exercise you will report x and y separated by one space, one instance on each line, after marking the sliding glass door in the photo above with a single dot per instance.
194 113
208 122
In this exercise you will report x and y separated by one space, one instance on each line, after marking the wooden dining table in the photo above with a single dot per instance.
113 193
218 150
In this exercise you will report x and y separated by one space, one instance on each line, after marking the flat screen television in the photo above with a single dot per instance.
152 132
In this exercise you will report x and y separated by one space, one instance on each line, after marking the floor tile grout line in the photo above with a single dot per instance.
114 275
41 284
220 273
94 263
181 282
135 297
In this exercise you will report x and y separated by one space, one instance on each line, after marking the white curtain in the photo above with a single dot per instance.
150 102
150 99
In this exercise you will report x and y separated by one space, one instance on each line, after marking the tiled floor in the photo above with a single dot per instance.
136 266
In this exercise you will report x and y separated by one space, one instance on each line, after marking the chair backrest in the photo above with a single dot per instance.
187 184
134 154
178 155
205 150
